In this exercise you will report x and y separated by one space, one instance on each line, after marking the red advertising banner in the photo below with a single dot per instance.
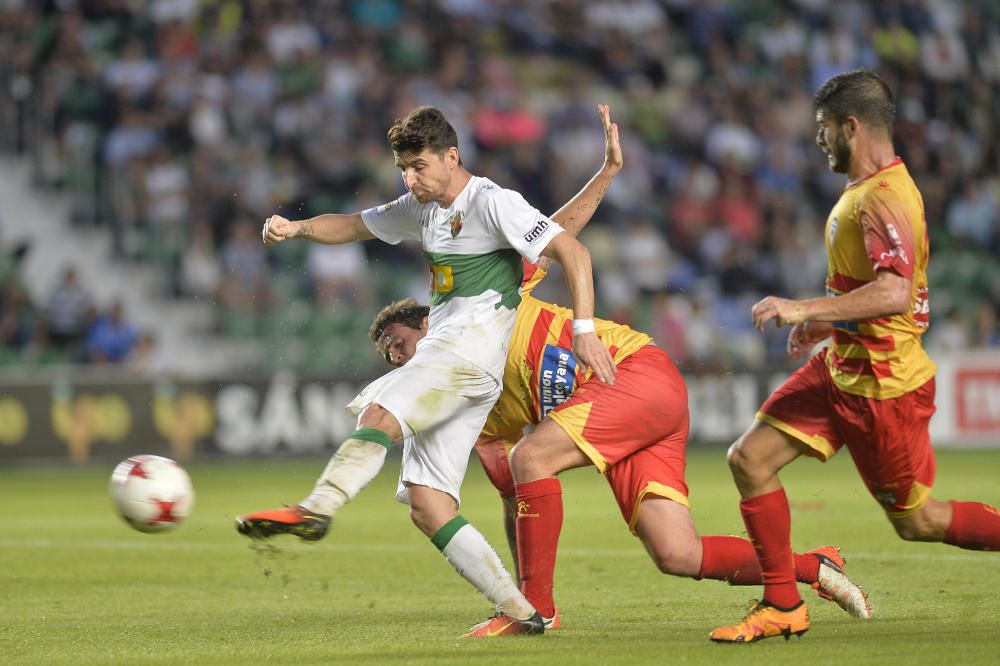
977 401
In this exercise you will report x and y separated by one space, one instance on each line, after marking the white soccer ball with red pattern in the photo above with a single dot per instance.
152 493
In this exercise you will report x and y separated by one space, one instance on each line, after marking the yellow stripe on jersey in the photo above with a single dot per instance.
541 370
878 224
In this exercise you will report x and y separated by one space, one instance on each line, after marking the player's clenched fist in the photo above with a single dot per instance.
277 229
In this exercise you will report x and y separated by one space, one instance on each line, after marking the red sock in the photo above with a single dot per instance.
734 560
539 520
769 524
974 526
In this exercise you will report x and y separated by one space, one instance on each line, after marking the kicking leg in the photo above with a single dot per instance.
357 461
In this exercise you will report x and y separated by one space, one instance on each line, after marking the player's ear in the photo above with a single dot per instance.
851 126
423 325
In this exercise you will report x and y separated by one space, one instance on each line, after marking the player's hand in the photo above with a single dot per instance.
803 337
591 353
277 229
782 310
612 146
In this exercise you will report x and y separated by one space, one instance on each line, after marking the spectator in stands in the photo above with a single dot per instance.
69 312
246 274
18 317
973 215
111 337
267 104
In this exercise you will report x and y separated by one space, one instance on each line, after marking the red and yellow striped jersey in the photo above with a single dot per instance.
541 369
878 224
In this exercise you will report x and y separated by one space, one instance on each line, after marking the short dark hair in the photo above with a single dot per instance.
424 127
406 312
860 93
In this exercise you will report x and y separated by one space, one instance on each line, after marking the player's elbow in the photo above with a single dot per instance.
900 298
574 253
567 250
897 293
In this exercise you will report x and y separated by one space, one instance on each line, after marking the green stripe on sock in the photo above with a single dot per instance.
371 435
447 531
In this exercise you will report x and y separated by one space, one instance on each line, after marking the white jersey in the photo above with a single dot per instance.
474 249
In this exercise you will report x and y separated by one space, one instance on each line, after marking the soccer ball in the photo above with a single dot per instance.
152 493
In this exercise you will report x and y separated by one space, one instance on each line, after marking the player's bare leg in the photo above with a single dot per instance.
510 531
969 525
435 513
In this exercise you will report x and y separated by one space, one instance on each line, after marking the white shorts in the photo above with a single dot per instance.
441 402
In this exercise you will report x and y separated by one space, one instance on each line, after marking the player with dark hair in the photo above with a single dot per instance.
635 433
474 234
872 390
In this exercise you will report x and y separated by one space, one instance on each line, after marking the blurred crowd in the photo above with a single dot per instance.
68 327
181 124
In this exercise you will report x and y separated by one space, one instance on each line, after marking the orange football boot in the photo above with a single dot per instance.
765 621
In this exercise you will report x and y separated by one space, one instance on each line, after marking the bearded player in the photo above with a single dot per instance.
872 390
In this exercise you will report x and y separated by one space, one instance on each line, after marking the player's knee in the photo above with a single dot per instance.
675 562
419 518
428 513
737 458
526 461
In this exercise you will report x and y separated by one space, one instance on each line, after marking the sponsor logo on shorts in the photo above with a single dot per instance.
556 378
886 498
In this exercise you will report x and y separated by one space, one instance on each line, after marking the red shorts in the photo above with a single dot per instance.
635 432
888 439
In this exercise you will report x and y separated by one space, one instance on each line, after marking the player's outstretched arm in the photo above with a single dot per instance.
578 211
331 229
888 294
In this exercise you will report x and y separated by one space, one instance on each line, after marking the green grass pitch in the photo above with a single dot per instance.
79 587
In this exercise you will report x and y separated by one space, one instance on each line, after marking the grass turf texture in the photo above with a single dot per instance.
77 586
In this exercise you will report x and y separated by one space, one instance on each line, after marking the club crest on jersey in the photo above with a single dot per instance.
833 229
456 223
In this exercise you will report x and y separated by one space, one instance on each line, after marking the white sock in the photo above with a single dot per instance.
351 468
474 559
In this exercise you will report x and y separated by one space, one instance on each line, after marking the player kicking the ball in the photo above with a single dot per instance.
634 432
872 390
474 234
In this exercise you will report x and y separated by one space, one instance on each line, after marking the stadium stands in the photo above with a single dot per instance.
175 127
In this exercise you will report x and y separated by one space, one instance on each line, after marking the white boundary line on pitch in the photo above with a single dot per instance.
159 542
